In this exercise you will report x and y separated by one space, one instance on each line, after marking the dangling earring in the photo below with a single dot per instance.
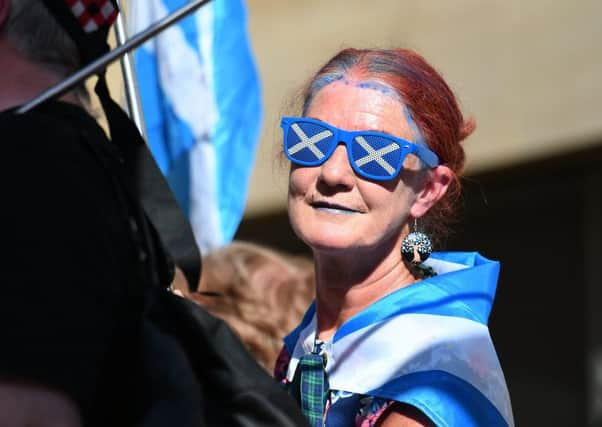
416 246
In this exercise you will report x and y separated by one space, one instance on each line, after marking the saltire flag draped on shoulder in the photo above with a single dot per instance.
427 344
200 96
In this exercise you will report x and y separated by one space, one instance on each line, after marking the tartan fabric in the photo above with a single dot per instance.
313 388
93 14
87 22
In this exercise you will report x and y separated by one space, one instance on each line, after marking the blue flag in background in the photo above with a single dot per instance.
201 100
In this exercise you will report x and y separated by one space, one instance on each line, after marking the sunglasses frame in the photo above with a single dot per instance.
343 136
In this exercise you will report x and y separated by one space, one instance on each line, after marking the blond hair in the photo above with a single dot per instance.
260 293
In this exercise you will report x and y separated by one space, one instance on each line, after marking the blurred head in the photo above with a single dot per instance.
35 34
398 93
261 293
48 34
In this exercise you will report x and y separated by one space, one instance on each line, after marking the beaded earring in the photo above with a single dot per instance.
416 246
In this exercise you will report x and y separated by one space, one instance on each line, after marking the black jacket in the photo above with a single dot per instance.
79 310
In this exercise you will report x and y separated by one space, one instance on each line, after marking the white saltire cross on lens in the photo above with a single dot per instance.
363 148
376 155
309 143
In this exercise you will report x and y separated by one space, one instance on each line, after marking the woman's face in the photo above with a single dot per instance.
330 207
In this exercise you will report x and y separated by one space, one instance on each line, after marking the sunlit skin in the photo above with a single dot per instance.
355 226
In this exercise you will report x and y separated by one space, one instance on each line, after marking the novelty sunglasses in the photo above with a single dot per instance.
373 155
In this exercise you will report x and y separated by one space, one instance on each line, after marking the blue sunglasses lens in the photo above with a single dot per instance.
308 143
377 157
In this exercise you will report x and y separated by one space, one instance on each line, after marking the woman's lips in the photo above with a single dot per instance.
334 208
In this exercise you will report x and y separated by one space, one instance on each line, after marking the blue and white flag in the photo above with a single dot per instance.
201 100
426 344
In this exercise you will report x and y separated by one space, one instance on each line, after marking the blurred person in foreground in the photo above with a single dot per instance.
90 333
260 292
395 337
75 347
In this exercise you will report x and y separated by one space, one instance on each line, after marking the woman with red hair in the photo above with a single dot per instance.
395 337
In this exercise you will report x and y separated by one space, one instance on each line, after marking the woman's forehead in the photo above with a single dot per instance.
361 106
382 88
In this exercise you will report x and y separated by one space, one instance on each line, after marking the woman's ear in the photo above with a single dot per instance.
436 183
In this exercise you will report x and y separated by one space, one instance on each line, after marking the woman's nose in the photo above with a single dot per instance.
336 171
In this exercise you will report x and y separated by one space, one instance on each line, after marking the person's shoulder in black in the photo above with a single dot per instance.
67 269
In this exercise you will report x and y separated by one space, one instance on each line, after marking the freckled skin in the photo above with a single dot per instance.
382 208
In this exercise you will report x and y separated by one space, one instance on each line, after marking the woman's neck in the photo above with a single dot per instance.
345 286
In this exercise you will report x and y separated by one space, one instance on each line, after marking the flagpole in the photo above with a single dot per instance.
102 62
130 82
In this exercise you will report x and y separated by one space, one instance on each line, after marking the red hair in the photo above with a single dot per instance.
431 102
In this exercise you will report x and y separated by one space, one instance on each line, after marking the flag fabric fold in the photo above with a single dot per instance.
426 344
201 99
